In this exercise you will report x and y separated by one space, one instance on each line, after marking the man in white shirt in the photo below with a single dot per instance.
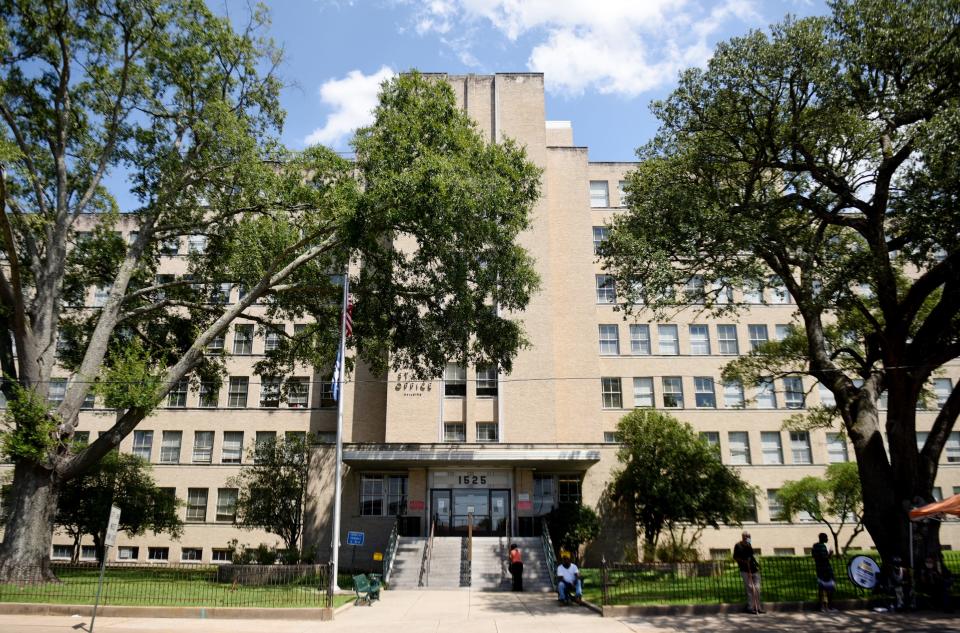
568 578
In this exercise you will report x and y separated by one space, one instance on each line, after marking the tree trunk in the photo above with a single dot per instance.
25 552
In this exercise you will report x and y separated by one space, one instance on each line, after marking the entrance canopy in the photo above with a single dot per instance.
937 509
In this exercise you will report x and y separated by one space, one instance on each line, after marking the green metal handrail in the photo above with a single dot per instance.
549 554
390 553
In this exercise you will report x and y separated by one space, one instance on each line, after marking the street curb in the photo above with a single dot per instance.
614 611
201 613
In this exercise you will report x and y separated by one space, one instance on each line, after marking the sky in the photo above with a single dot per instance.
603 61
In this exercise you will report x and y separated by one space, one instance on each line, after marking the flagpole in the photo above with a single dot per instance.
338 477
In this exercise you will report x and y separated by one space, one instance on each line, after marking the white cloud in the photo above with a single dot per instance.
352 100
614 46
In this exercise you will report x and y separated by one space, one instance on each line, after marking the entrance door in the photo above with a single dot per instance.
471 502
440 508
499 512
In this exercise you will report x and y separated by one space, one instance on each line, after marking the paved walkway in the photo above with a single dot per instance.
479 612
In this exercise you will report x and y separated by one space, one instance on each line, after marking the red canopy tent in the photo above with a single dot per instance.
936 510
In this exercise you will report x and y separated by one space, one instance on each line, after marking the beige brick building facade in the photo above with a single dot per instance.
506 448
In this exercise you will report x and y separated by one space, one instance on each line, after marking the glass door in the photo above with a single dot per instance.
440 508
499 512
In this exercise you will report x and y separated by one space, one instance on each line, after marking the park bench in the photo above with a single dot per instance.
366 591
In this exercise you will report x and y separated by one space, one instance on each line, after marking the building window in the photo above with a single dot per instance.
56 391
226 504
672 392
271 339
712 438
88 552
793 392
640 339
827 398
262 440
758 335
600 235
191 554
128 553
836 448
371 495
243 339
170 447
89 401
216 343
606 289
668 340
454 432
643 392
203 447
771 447
766 396
209 395
270 392
699 340
487 431
941 389
921 438
158 553
177 396
396 495
784 551
752 295
779 293
232 452
568 489
62 552
800 447
454 381
612 396
100 296
487 381
704 392
237 394
693 290
221 294
609 340
937 493
781 332
621 185
610 437
327 401
197 505
727 340
143 444
218 555
543 497
733 394
774 507
599 194
196 244
739 442
298 392
951 447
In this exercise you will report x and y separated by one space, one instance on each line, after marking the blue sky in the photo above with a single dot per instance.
603 60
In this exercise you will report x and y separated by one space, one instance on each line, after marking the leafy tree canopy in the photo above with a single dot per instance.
834 500
670 476
818 159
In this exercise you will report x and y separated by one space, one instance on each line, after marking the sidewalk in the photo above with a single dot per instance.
467 611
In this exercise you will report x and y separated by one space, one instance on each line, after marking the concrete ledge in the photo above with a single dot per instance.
224 613
609 611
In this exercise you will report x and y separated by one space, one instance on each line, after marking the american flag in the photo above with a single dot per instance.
348 317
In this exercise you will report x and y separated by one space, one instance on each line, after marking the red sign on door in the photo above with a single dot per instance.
415 505
524 505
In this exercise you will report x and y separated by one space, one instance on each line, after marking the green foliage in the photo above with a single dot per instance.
670 476
680 545
30 430
122 480
131 380
272 490
835 500
572 525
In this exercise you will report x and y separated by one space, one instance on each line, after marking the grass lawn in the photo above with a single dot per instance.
161 587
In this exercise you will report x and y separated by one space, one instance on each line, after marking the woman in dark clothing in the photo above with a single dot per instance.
516 567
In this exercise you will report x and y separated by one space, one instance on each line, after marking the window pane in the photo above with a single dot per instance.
454 432
771 447
177 396
733 394
454 381
836 448
243 339
826 396
672 392
196 504
739 443
609 340
800 447
758 335
793 392
599 193
143 444
699 340
779 293
712 438
487 381
487 431
203 447
774 507
298 392
951 448
704 391
170 447
941 389
270 392
727 339
668 339
606 289
226 504
643 392
693 291
237 396
611 393
766 396
600 235
232 447
639 339
780 332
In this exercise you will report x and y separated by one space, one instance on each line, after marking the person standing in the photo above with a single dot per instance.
516 567
749 572
826 583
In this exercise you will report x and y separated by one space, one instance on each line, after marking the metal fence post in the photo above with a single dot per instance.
331 584
603 581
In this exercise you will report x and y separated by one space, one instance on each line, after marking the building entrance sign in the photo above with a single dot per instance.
470 479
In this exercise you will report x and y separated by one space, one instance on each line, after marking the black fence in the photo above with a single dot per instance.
291 586
783 579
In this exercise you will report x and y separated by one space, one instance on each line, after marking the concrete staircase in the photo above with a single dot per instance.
406 562
490 572
445 563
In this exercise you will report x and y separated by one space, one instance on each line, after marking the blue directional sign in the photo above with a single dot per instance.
354 538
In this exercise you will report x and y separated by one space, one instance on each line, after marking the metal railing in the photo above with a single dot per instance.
391 551
783 579
427 552
549 554
178 585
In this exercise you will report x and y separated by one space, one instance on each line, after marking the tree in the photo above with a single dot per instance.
671 476
171 95
272 491
571 525
124 481
834 500
818 159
